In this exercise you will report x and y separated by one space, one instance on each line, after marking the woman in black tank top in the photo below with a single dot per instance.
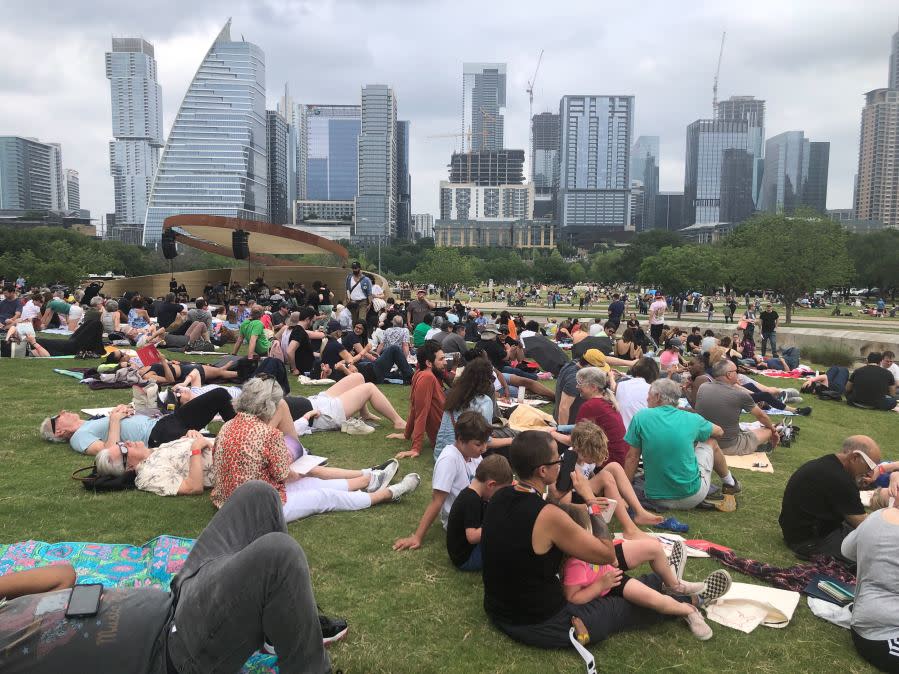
524 540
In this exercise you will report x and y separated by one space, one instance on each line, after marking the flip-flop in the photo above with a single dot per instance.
672 524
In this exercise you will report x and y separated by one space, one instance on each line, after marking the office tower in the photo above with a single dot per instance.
376 202
645 168
31 176
288 110
669 211
214 160
73 190
737 168
276 151
707 141
483 104
328 161
594 161
544 153
751 110
795 174
136 126
877 181
403 181
505 167
423 225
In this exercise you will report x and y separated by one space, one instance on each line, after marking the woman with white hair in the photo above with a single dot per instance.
248 448
601 408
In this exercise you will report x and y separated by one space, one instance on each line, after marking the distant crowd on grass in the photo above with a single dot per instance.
644 418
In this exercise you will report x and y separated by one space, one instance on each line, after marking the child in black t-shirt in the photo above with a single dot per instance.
463 528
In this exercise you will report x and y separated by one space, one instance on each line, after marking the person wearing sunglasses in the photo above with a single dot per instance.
821 503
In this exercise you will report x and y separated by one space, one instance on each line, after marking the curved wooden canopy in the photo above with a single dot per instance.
212 233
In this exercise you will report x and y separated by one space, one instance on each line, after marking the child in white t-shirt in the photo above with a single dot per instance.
454 470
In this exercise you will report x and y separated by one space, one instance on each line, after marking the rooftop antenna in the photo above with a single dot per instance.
717 73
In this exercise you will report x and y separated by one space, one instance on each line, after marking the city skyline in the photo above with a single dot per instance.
668 71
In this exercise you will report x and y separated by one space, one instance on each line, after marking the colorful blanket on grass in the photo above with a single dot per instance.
153 564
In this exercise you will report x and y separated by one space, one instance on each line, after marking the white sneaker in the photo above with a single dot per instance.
405 486
355 426
381 477
698 626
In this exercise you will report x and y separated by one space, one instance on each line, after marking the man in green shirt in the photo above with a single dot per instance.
677 460
418 334
253 331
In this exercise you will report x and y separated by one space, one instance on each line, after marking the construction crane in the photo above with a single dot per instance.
530 88
715 83
463 136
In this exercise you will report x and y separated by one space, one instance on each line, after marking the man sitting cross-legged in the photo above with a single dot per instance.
678 452
722 400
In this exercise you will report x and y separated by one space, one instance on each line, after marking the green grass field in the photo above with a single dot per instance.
411 611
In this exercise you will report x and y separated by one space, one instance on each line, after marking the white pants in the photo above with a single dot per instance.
310 496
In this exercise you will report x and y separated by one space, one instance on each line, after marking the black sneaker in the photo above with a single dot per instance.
734 488
333 629
804 411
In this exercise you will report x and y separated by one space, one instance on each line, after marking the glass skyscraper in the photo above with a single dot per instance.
31 176
594 161
645 168
328 155
483 104
794 171
403 181
544 152
707 141
136 126
279 208
751 110
376 201
214 161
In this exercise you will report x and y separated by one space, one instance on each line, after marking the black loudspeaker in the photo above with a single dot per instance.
169 249
239 244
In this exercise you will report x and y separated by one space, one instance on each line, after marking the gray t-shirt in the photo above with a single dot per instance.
722 404
454 343
136 428
418 308
201 316
567 383
875 547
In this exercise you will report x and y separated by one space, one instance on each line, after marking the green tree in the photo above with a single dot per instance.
604 266
643 246
876 259
443 267
551 268
577 273
791 256
683 269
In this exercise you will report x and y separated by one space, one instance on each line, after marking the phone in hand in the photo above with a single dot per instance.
84 601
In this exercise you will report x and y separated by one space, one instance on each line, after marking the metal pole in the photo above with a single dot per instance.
379 254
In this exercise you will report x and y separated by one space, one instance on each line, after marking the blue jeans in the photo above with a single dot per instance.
474 561
508 369
770 337
392 355
837 378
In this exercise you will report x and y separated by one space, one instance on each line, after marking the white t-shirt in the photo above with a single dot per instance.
452 473
430 333
631 395
657 312
376 290
29 311
526 333
894 368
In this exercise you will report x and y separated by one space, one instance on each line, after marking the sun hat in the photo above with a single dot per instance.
596 358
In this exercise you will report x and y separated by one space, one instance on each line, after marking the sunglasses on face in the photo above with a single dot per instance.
53 420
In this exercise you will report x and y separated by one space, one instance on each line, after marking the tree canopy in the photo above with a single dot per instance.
681 269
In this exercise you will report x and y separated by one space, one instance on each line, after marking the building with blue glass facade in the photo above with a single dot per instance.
403 181
279 205
214 161
328 154
711 170
795 174
376 201
31 175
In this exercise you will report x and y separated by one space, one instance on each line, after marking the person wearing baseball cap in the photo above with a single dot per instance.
417 308
358 293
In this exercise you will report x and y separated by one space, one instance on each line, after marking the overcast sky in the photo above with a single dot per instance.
812 61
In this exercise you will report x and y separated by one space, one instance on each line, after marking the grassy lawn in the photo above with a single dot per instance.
411 611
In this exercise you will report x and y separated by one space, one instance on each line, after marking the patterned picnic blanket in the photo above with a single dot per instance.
153 564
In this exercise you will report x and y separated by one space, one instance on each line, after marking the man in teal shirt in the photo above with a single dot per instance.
677 459
253 332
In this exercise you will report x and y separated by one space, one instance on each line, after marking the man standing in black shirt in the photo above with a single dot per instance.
821 502
872 385
768 319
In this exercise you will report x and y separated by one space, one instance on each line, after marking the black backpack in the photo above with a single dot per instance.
93 481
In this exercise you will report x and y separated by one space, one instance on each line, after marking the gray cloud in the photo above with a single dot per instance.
811 61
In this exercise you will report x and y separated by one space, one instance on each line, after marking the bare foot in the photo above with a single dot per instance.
636 535
647 519
396 436
406 455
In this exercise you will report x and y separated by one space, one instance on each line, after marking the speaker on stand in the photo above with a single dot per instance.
169 250
240 246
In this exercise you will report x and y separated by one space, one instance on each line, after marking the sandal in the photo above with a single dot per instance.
672 524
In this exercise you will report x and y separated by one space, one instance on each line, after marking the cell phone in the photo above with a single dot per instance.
84 601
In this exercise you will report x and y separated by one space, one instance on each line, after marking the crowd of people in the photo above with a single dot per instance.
643 419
